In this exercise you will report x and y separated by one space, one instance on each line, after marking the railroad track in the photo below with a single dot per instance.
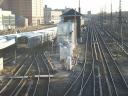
19 90
118 79
39 86
117 53
8 60
30 86
106 78
87 87
92 85
119 42
76 88
100 75
11 85
14 70
106 87
42 87
10 56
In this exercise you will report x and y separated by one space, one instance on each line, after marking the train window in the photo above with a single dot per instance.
22 40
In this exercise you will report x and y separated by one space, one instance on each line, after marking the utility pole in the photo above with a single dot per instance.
111 17
75 33
79 7
120 22
120 15
79 22
101 18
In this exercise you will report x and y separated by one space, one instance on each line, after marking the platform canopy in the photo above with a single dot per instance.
7 44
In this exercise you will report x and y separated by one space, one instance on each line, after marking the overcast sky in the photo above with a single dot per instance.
94 5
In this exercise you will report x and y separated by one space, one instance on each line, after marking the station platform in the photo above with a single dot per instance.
7 43
7 40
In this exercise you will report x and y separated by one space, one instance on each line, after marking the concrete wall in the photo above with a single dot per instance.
64 30
1 63
66 55
67 41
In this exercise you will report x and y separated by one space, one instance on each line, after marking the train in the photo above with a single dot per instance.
2 39
35 38
28 41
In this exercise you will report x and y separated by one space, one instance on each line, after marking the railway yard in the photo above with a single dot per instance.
38 72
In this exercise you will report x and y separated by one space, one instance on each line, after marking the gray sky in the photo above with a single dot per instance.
94 5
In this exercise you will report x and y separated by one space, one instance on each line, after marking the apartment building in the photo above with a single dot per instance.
55 15
7 20
47 15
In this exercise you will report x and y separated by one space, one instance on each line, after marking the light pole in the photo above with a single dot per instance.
52 45
75 30
120 22
79 7
15 53
15 56
111 19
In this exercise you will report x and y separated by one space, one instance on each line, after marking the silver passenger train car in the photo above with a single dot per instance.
35 38
29 41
